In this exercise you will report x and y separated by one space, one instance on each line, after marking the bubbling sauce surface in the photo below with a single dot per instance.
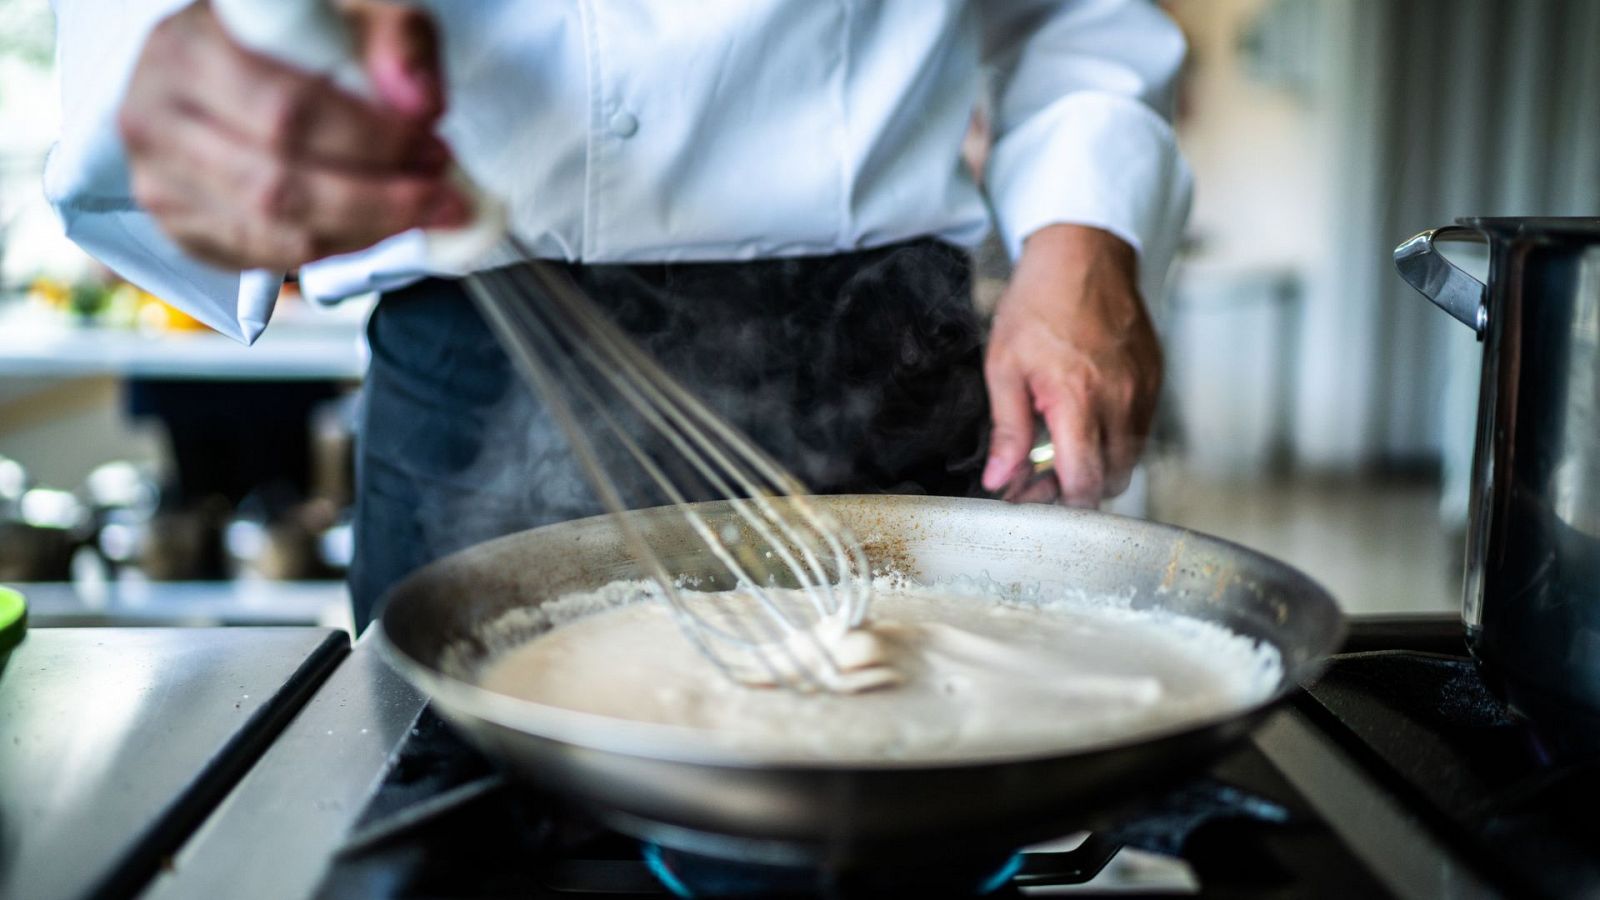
978 676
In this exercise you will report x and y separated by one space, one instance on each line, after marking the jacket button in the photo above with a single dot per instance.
623 124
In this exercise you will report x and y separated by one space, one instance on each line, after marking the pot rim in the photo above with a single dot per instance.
1538 227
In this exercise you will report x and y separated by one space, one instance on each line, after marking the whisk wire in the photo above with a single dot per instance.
662 397
567 348
528 347
645 399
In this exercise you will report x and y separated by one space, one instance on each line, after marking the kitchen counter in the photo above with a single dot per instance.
302 343
278 831
189 603
116 742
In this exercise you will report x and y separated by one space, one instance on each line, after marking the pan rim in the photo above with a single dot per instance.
690 746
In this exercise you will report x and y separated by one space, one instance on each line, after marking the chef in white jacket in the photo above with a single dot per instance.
767 193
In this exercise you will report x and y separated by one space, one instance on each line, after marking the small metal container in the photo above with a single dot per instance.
1532 588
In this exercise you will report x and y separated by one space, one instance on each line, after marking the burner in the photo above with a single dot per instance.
692 875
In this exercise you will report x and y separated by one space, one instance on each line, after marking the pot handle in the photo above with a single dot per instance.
1436 278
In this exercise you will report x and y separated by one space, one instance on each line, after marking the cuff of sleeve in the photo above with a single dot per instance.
1100 160
236 304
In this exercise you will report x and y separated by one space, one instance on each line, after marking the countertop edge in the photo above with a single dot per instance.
277 831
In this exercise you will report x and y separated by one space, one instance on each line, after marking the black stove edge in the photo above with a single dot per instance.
233 760
1404 849
1408 856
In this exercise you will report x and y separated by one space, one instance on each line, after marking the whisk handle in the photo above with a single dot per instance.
311 35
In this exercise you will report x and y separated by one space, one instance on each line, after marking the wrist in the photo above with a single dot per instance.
1076 271
1079 246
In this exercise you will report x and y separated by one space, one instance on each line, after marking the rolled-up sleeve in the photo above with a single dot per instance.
1082 130
86 175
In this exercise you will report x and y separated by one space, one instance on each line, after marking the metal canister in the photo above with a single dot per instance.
1532 587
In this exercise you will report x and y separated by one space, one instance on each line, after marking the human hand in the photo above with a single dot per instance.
1073 343
249 163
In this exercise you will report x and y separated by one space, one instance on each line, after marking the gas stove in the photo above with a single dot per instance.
444 823
1397 773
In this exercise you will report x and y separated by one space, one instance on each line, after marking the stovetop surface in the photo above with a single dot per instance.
1404 704
1433 734
445 824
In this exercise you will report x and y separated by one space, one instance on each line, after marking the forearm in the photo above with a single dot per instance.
1082 124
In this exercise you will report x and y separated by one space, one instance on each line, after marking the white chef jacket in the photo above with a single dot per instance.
665 130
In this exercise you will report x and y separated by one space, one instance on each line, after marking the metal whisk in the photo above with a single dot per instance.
592 377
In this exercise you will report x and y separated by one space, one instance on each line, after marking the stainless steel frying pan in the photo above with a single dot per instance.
652 782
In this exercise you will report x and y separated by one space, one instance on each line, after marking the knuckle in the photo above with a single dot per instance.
998 364
340 200
1080 383
412 200
1126 393
291 247
288 112
393 207
1006 433
276 193
1084 481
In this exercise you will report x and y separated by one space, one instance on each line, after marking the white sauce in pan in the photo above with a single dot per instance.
978 675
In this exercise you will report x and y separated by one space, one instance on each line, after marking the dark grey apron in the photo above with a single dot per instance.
861 372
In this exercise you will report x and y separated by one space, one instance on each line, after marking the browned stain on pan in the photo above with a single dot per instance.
1226 575
886 537
1169 576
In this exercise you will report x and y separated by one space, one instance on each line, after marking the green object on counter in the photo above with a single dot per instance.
13 621
88 300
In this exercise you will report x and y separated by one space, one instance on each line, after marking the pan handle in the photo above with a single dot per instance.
1436 278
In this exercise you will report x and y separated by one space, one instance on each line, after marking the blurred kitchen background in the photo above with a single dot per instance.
1317 408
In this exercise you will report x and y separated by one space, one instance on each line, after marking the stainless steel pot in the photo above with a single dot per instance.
653 782
1532 589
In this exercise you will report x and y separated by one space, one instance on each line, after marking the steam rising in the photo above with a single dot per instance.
860 374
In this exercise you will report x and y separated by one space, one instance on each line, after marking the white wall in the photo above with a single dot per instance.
1255 125
1260 171
1415 113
